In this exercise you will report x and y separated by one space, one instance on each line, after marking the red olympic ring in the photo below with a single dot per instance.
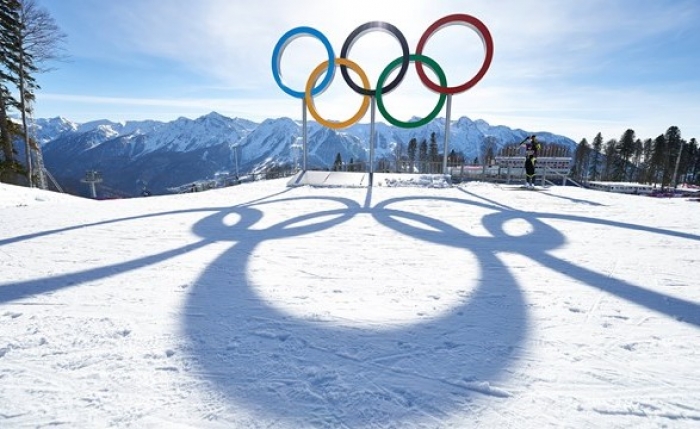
365 90
445 21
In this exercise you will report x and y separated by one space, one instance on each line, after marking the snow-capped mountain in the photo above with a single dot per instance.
135 155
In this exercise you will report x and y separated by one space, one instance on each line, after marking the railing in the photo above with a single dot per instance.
232 180
545 168
504 168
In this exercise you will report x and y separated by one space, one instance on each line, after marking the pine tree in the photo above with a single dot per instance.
637 154
610 163
423 155
580 170
338 163
686 159
657 159
597 151
673 149
28 38
398 155
39 41
625 151
694 162
433 154
412 149
9 60
647 152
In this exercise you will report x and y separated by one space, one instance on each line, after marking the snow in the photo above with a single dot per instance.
268 306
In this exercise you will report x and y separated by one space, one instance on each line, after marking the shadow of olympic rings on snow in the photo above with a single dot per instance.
286 367
24 289
290 368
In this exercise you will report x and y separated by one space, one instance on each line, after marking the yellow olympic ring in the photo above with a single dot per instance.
313 78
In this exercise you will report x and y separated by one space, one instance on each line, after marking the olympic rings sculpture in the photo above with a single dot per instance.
314 88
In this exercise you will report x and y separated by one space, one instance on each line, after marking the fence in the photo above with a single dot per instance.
502 169
546 168
549 169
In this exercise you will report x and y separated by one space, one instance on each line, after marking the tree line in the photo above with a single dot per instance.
666 160
29 39
423 157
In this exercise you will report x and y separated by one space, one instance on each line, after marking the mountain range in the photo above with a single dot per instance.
134 156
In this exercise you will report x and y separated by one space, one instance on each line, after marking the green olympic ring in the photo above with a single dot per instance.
418 58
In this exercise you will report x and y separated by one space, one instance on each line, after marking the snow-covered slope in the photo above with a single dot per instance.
263 306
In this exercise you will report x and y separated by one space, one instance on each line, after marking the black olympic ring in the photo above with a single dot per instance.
344 62
359 32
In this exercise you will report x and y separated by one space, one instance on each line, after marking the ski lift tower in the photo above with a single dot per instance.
92 177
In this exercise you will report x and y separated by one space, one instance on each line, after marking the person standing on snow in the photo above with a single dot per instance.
532 149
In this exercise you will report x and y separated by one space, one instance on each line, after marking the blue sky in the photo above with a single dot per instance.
575 68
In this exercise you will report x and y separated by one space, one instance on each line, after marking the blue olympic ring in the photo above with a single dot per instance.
314 89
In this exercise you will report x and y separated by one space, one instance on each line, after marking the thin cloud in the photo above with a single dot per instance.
622 59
